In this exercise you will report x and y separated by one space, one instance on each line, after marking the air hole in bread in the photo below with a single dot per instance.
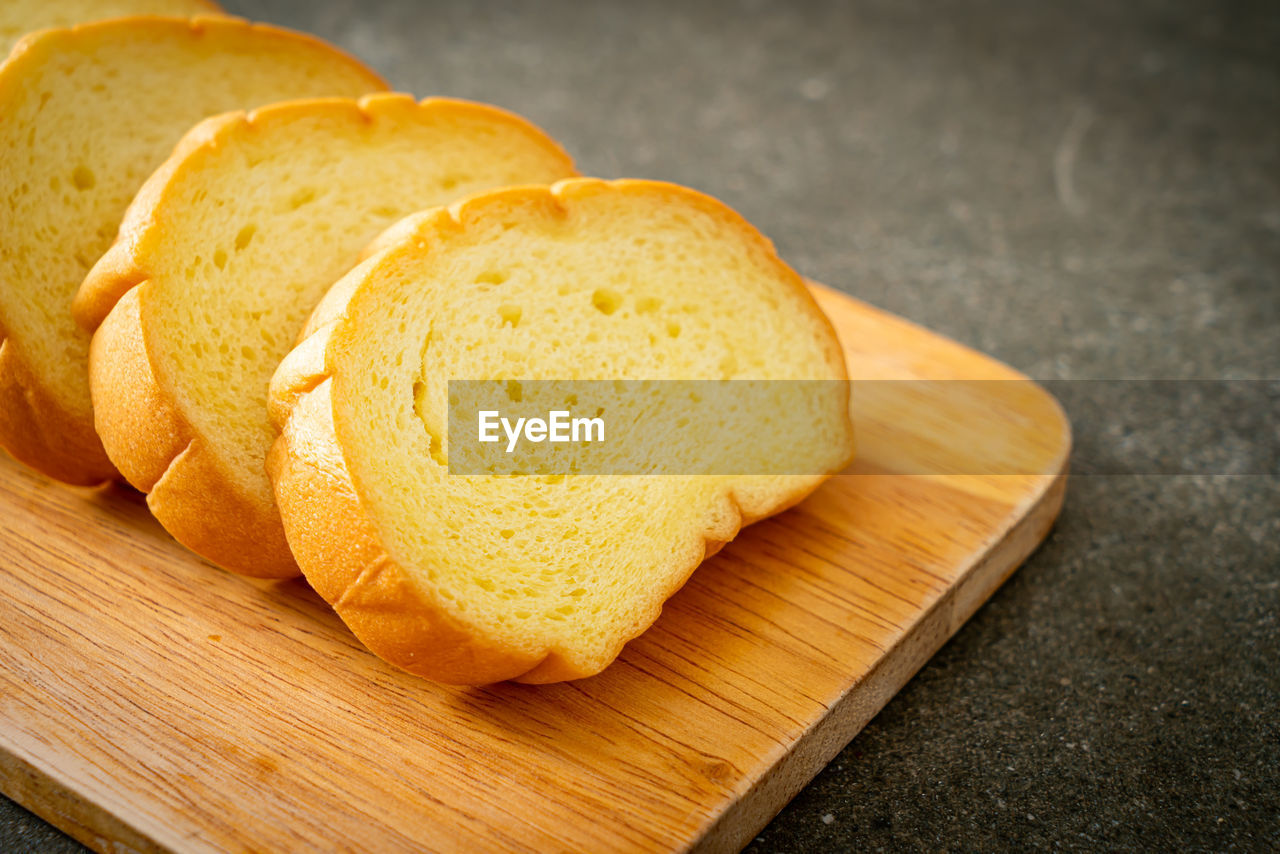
82 177
648 305
302 197
245 236
510 314
434 446
491 277
606 301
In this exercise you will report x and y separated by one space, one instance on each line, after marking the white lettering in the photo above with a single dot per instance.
488 425
558 427
587 424
513 436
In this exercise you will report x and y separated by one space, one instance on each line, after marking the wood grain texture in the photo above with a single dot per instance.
149 701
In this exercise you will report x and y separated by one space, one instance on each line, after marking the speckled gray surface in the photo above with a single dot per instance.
1083 189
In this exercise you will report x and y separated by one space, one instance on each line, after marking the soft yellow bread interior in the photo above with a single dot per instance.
87 115
596 280
255 225
19 17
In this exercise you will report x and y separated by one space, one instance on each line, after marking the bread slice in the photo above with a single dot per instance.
221 258
19 17
88 114
472 580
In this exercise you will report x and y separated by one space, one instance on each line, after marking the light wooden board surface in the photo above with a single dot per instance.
149 701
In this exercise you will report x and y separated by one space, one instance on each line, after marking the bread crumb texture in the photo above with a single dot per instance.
588 280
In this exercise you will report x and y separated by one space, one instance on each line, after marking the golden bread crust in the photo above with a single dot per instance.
213 25
38 433
52 15
336 541
334 538
159 454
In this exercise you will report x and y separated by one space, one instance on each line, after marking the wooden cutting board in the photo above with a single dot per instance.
149 701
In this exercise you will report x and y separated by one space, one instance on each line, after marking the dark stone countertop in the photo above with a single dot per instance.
1082 189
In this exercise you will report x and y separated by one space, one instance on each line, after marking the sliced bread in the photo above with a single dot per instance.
221 258
89 113
475 579
19 17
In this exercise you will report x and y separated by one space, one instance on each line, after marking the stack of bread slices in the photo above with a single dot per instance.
238 273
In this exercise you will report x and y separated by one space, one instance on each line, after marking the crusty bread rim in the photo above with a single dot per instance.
212 10
34 426
190 490
336 540
120 268
198 23
38 432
